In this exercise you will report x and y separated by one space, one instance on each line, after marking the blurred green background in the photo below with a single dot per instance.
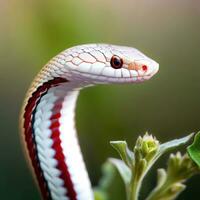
33 31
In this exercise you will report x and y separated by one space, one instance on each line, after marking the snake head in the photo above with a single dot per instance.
105 63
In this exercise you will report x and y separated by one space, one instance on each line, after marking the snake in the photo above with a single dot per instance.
47 124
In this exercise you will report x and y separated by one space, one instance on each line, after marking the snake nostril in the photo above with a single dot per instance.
144 68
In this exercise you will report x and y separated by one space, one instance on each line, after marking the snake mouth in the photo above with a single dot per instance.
103 79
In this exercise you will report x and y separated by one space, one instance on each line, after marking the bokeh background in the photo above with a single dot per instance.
33 31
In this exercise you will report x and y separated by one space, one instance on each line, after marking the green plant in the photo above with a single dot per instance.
136 163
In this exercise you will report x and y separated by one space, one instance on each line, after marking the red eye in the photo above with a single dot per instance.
116 62
144 68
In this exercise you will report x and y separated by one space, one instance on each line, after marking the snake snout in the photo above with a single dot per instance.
155 68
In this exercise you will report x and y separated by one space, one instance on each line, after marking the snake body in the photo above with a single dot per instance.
47 120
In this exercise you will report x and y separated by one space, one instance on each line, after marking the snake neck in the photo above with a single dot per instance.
52 143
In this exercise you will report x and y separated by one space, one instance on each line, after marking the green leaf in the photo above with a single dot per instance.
173 144
123 170
194 149
125 153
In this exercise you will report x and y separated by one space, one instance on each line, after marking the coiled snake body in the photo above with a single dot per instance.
48 129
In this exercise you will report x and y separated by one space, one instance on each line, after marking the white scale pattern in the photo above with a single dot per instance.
72 150
69 143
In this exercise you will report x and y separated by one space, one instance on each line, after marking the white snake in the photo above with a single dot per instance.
47 121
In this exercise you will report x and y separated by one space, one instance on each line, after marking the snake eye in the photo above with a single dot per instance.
116 62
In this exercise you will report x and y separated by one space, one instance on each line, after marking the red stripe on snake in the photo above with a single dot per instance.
59 156
29 132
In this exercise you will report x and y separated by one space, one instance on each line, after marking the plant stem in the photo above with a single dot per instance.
135 188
